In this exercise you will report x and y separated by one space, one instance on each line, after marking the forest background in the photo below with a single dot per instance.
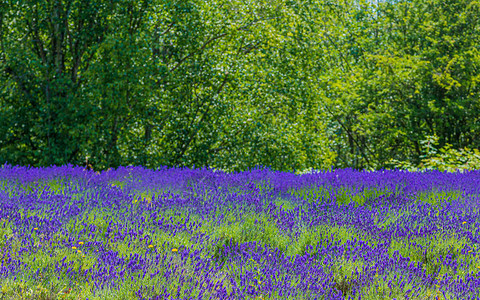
234 84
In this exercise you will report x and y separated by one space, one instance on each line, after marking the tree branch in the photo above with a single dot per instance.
195 132
39 49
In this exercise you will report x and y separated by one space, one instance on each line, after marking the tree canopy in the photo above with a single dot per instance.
235 84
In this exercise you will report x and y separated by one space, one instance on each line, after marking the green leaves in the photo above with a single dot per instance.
235 84
407 78
445 159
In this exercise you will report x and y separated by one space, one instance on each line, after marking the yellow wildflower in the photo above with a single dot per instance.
174 250
150 246
35 228
464 222
74 247
80 243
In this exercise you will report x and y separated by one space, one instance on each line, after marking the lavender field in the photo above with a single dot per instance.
134 233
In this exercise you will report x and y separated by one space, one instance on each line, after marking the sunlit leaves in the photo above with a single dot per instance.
233 84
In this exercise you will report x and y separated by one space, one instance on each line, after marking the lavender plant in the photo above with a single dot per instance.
171 233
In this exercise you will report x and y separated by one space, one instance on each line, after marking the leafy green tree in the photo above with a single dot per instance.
397 72
152 83
47 49
233 84
427 74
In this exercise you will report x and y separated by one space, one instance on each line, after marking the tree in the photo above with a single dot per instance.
47 48
234 84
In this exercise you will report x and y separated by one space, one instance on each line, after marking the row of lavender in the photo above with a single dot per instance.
203 234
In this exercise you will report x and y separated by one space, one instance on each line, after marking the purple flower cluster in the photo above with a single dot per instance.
177 233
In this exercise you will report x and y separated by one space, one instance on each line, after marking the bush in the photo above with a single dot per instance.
445 159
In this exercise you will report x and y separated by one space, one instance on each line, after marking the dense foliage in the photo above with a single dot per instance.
446 159
233 84
134 233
